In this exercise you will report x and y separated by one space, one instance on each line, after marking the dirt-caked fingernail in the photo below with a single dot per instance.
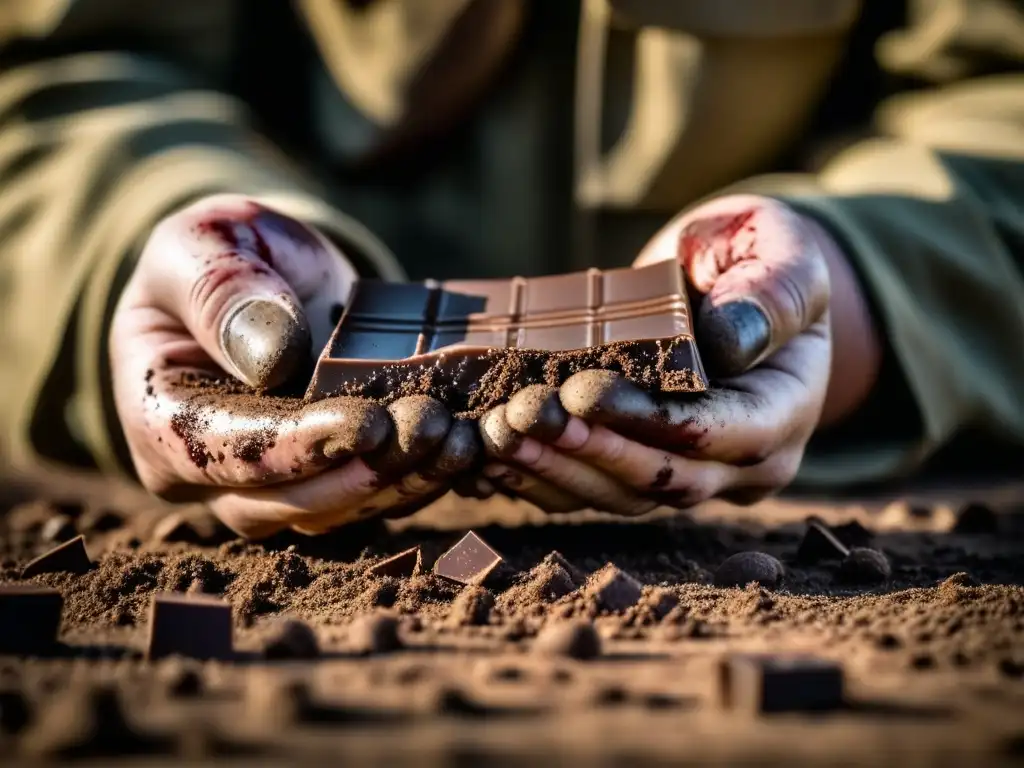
733 336
265 342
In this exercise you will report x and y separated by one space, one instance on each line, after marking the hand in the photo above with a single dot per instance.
763 332
228 285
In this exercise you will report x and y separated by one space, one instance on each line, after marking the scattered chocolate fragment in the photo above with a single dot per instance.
820 544
864 566
473 561
977 520
575 639
750 567
374 633
853 534
472 607
189 625
403 565
291 639
578 575
763 684
29 619
613 590
58 528
474 343
71 556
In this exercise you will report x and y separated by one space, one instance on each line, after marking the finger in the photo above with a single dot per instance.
458 453
261 512
536 411
470 486
421 424
500 441
725 425
578 478
236 274
671 478
518 483
762 271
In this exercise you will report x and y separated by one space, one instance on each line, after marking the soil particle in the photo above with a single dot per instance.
182 680
750 567
291 639
374 633
576 639
472 607
57 529
864 566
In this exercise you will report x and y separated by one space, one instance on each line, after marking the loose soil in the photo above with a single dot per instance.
417 670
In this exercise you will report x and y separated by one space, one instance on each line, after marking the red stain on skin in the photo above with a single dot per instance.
250 230
728 239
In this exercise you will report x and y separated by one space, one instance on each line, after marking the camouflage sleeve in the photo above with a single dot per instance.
95 149
931 215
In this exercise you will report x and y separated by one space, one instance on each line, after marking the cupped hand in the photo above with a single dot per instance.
229 299
762 328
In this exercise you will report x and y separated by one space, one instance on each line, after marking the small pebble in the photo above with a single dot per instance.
864 566
375 633
291 639
746 567
576 639
976 519
472 607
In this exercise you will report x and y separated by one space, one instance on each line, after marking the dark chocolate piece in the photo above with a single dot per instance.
613 589
69 556
193 626
471 561
819 544
763 683
444 337
29 619
402 565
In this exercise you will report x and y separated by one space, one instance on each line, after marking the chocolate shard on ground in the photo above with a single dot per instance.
29 619
474 343
192 626
402 565
614 590
765 683
70 556
472 561
819 544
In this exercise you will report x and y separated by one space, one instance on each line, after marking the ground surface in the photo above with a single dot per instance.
933 659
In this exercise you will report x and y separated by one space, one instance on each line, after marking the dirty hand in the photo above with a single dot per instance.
762 329
227 284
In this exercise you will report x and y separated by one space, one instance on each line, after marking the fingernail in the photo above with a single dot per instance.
265 342
733 336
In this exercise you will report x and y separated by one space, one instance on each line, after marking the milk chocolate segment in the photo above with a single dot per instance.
470 561
444 339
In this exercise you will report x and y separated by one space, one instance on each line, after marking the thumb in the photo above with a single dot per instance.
237 275
762 272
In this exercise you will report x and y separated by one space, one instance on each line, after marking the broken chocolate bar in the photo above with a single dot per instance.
471 561
190 626
29 619
403 565
474 343
71 556
764 683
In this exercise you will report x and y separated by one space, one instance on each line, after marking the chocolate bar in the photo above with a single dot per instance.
474 343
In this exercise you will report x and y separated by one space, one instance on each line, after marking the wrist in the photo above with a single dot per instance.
857 345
